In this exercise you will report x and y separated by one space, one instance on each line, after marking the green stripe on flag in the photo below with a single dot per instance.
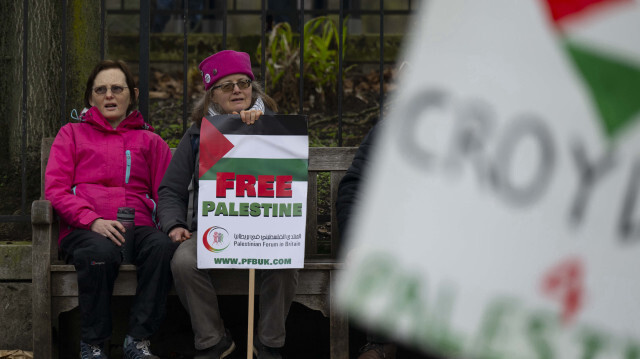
297 168
614 85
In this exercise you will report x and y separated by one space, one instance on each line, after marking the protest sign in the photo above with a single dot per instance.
252 192
500 217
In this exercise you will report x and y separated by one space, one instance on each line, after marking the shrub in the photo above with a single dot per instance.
321 43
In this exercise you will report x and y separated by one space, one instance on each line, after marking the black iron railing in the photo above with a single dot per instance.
224 9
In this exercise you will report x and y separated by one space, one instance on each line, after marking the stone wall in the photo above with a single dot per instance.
15 296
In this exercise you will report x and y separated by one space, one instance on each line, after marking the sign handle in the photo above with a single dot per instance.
252 289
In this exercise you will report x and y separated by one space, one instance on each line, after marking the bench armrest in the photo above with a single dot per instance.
41 212
44 230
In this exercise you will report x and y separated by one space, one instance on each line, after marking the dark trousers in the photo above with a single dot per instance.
97 261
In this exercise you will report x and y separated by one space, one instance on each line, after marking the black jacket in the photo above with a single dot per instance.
349 188
176 198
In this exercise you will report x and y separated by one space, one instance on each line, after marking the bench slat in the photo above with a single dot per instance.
331 158
227 282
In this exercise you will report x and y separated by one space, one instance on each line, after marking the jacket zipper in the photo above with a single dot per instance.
126 178
73 189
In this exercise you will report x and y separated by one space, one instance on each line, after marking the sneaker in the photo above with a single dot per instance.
137 349
378 351
91 351
262 351
223 349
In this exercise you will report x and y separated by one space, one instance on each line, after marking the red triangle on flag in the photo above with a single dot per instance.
561 9
213 146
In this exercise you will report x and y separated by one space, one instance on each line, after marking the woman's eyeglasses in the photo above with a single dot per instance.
228 86
116 90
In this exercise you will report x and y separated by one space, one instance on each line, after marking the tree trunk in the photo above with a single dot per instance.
43 59
25 123
83 50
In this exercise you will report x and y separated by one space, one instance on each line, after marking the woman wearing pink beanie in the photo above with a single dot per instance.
229 88
228 81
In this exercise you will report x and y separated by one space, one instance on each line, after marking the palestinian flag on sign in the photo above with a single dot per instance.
274 145
609 63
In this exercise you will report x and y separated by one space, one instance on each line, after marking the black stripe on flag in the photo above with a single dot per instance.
266 125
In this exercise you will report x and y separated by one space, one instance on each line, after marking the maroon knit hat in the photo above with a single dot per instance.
224 63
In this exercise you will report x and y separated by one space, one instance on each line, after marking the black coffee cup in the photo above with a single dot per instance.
126 216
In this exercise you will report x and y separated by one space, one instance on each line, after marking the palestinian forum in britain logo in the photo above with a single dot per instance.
215 239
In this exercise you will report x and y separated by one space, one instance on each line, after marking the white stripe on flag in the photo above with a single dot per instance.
270 147
606 31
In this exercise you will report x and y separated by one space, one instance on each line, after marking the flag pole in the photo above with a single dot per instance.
252 289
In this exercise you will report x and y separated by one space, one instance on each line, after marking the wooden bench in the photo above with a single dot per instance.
55 287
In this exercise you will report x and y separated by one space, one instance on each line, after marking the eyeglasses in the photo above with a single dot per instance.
115 89
229 86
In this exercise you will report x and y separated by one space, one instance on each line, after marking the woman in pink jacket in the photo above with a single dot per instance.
111 159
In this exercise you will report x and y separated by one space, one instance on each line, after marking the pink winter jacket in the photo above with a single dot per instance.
93 169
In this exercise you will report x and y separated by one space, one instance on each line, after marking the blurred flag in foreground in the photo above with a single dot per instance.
501 215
